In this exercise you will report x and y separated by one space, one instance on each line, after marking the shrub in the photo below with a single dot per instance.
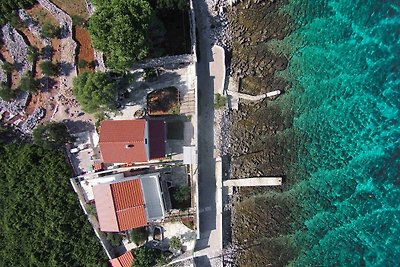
8 67
6 93
115 239
50 31
175 243
182 194
219 101
48 68
82 63
27 83
139 235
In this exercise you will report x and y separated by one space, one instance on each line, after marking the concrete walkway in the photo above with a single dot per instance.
208 247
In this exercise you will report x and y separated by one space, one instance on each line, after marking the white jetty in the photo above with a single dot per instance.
254 181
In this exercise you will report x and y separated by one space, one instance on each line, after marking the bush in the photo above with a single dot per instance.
32 53
82 64
78 21
175 243
48 68
50 31
139 235
145 257
8 67
182 193
91 209
27 83
219 101
115 239
6 93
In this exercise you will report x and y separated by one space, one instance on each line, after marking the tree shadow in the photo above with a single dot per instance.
65 68
78 126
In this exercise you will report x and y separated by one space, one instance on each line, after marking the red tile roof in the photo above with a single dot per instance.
120 205
127 194
125 260
157 139
122 141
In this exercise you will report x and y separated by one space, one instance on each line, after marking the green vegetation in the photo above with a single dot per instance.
172 4
95 92
41 223
6 93
8 9
145 256
32 53
50 31
139 235
219 101
114 238
8 67
27 83
150 74
52 135
48 68
82 63
180 197
182 193
78 21
91 209
175 243
119 29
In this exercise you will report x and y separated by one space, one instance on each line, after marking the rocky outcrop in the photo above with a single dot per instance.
68 50
32 120
17 47
34 27
3 75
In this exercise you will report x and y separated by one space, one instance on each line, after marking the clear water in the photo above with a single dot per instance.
345 70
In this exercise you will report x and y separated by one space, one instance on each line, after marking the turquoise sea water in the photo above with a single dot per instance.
345 71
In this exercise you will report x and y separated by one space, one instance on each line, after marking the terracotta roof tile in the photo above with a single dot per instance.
127 194
125 260
132 218
122 141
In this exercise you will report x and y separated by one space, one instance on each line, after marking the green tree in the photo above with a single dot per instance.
50 31
48 68
172 4
6 93
51 135
8 9
175 243
139 235
27 83
40 218
145 257
8 67
115 239
182 193
95 92
119 29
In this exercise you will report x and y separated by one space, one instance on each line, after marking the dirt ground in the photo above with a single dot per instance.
42 15
86 51
73 8
163 101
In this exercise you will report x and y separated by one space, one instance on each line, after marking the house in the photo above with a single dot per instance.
128 203
125 260
132 141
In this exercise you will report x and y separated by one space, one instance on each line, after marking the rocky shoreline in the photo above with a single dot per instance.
256 137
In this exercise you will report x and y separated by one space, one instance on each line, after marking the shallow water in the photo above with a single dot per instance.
345 70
